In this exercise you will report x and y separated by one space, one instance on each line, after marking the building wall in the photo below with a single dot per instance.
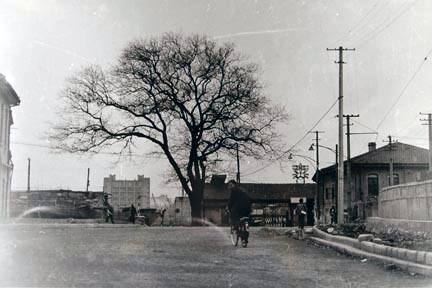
127 192
214 215
181 212
5 158
56 204
411 201
328 202
406 208
366 206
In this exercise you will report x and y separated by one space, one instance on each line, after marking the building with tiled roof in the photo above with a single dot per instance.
370 172
267 198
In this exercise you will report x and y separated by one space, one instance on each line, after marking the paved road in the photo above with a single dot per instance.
83 256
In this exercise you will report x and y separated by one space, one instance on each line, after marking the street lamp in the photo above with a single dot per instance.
307 158
311 148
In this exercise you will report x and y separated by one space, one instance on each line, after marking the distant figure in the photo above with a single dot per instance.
133 213
109 214
162 216
333 215
301 212
287 218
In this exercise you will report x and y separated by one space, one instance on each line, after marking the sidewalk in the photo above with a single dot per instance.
414 261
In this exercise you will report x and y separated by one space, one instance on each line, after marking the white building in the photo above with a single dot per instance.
126 192
8 99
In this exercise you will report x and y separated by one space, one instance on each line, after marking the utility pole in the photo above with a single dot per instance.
336 188
348 134
352 191
238 164
340 212
318 204
88 179
391 160
28 175
429 123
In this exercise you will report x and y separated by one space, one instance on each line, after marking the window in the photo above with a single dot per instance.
373 185
330 193
395 179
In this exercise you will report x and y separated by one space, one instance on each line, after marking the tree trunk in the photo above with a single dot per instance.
196 201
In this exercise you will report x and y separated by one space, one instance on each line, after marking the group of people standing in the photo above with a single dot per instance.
109 212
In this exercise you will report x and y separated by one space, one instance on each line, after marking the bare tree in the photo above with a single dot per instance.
192 98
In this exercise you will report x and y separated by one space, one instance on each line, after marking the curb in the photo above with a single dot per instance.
405 265
419 262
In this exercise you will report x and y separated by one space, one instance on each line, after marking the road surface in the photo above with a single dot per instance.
136 256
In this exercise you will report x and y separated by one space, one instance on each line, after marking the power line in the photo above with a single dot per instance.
357 24
404 89
296 143
58 149
366 39
363 125
410 137
364 27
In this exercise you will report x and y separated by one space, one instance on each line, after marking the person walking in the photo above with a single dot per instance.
133 214
301 212
109 213
162 214
333 215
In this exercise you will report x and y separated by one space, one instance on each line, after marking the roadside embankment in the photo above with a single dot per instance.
414 261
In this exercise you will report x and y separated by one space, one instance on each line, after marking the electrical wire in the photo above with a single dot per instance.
363 29
357 24
404 89
363 125
104 153
296 143
366 39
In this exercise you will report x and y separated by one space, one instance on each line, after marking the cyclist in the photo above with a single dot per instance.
239 204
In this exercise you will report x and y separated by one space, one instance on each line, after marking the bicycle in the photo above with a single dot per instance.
240 231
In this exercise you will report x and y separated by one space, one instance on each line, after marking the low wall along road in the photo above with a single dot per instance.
405 207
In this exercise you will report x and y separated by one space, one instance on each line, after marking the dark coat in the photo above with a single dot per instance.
133 211
239 204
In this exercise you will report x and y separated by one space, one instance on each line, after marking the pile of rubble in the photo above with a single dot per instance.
398 238
352 230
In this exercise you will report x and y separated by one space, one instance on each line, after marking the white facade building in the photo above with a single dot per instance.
8 99
126 192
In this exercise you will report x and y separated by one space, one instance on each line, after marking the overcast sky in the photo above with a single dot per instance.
44 42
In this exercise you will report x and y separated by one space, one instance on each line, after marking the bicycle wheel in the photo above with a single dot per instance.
234 236
244 243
